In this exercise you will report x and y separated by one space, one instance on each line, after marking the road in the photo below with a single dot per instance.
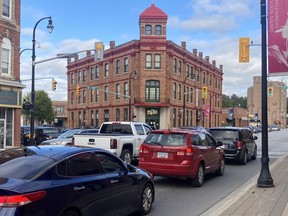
176 197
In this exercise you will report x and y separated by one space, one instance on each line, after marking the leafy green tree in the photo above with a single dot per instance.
43 107
234 100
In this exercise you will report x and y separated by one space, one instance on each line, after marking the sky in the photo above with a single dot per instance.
211 26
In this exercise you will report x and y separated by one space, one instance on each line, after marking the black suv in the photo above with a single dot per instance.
45 133
238 143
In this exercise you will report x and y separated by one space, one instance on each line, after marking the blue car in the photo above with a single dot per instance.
71 181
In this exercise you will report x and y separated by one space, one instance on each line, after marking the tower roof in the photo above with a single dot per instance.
153 12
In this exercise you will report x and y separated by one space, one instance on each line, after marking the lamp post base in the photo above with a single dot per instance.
265 179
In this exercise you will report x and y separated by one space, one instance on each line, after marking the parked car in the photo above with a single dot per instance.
238 143
71 181
200 128
182 153
44 133
275 128
66 138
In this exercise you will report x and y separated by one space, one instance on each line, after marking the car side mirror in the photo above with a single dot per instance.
219 143
255 137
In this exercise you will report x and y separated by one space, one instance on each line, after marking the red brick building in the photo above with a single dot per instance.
10 86
152 80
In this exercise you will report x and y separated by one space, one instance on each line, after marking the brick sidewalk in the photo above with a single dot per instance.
259 201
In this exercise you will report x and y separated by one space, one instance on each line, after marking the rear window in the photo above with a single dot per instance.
116 128
166 139
18 164
224 134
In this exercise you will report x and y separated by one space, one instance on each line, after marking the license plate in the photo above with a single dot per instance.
162 155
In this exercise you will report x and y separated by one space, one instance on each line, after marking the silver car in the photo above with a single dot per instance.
66 138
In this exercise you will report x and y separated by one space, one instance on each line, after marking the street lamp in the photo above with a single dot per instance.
184 94
134 74
32 110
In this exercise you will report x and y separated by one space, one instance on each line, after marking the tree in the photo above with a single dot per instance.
43 107
234 100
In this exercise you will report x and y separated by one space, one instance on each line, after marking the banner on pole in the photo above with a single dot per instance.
277 37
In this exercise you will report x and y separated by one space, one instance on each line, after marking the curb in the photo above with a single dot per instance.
231 198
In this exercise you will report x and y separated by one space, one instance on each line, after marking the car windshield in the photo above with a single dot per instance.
22 164
68 134
224 134
166 139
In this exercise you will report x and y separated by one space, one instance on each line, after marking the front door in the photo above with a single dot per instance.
153 117
2 134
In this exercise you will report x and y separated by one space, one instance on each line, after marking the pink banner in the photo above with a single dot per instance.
277 37
207 110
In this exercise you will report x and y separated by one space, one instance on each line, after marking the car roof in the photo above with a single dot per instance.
176 130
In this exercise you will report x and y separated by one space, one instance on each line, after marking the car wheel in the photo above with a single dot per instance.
126 156
254 156
70 213
199 179
146 199
220 171
244 158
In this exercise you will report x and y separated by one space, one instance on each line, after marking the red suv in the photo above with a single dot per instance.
182 153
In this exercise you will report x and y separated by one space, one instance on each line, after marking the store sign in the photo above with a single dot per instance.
8 97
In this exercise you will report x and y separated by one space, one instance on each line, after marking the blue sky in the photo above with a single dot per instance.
211 26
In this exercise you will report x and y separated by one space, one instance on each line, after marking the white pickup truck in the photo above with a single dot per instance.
121 138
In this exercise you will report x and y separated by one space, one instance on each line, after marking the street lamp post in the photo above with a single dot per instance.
32 110
184 95
134 74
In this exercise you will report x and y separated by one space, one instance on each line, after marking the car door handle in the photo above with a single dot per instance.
79 188
114 181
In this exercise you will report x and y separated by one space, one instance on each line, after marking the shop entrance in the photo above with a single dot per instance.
2 134
153 117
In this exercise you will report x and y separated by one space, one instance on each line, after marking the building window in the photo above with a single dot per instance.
72 79
96 95
106 93
179 116
6 8
179 92
106 73
91 73
118 67
148 61
97 118
6 57
191 95
92 119
106 115
211 80
187 93
92 95
79 98
117 114
96 72
192 73
174 91
84 96
157 61
158 30
79 76
152 91
198 76
187 70
175 65
148 30
180 68
174 117
79 119
204 78
125 65
125 114
84 75
191 117
117 91
72 98
72 119
126 92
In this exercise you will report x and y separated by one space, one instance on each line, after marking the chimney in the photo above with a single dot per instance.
88 53
221 67
214 63
207 58
183 44
201 55
195 52
112 44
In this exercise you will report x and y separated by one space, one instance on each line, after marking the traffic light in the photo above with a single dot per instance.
54 82
204 91
270 91
244 49
26 105
99 49
78 90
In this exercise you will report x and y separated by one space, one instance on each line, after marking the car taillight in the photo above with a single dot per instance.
22 199
143 149
185 151
113 144
73 141
239 144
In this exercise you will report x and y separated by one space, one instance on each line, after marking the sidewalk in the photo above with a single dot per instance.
251 200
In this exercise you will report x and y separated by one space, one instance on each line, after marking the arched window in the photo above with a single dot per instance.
6 57
152 91
158 30
148 30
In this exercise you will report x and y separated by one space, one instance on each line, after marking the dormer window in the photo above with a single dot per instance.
148 30
158 30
